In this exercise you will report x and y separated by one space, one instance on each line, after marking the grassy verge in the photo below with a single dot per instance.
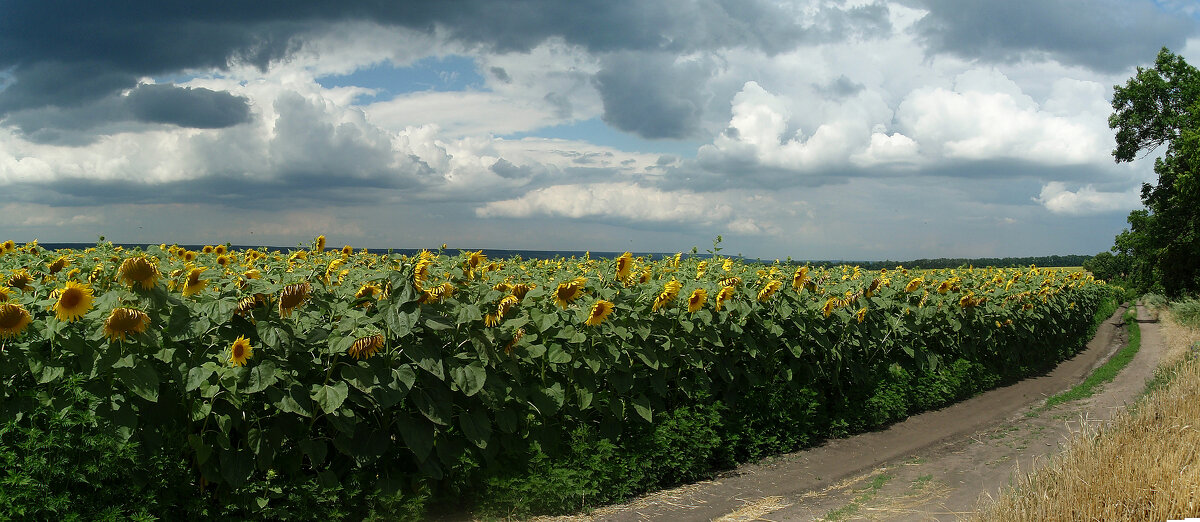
1140 467
1107 372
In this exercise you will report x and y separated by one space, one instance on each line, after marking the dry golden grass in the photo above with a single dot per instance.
1144 466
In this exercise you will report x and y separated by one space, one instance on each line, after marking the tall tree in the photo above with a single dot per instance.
1161 106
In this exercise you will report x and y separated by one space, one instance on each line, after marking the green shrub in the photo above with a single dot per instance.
1187 312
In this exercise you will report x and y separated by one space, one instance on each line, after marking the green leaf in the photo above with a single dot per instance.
435 407
556 354
236 466
141 380
476 427
315 449
417 435
427 358
330 397
402 323
261 376
468 313
547 400
469 379
641 405
203 450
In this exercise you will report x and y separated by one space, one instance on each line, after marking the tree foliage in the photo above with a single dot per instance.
1161 106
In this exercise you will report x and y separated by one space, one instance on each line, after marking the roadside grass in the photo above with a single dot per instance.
1108 371
1141 466
867 494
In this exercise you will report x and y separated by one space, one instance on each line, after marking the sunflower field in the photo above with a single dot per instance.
521 385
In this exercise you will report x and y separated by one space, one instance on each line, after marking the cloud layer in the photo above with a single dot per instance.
769 121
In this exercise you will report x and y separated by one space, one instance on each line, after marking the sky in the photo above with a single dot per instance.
815 129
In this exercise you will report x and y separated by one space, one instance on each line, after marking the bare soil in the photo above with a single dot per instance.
934 466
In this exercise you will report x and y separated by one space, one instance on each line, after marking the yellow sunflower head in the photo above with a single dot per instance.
8 246
508 348
830 305
247 304
365 347
569 291
768 290
208 249
624 266
74 300
520 289
21 280
220 250
861 314
239 351
4 294
914 284
726 293
194 285
476 259
697 300
669 292
57 265
223 260
506 304
139 270
600 311
13 319
292 296
124 321
320 247
190 255
347 251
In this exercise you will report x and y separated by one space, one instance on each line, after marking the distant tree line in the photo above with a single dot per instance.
962 262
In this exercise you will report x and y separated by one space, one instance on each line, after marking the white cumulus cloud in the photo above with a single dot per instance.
622 201
1087 200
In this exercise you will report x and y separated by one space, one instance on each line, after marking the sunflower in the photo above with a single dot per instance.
247 304
506 304
20 280
57 265
74 300
872 288
508 348
123 321
697 300
861 314
831 304
914 284
292 296
768 290
491 320
239 351
194 285
223 260
725 294
347 251
320 247
700 269
3 294
8 246
190 255
220 250
600 311
365 347
624 265
476 259
520 289
13 319
669 293
368 290
727 265
569 291
208 249
138 270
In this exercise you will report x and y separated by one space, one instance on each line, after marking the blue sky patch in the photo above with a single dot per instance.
435 73
597 132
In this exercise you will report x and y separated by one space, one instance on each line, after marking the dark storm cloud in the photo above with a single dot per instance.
654 96
69 53
80 124
1106 35
197 108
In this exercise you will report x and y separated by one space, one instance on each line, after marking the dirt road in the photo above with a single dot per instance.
933 466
